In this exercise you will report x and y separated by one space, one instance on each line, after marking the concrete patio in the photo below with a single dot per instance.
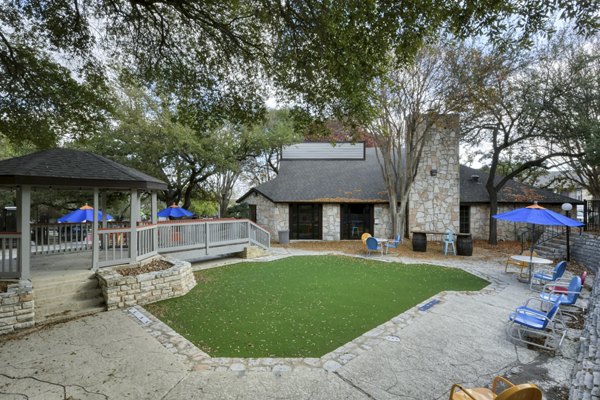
113 355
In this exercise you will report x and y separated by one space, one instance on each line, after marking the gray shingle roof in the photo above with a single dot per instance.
327 181
512 192
344 181
68 167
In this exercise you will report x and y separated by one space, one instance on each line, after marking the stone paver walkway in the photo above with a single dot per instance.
417 355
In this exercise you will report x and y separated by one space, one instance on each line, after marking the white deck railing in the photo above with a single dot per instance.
60 238
9 263
114 246
214 237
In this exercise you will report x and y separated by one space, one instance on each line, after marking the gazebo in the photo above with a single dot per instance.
75 170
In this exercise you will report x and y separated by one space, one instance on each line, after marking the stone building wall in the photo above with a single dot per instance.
16 307
124 291
331 222
382 221
434 201
480 222
274 217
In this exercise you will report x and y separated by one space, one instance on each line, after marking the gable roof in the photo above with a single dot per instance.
68 168
326 181
512 192
360 181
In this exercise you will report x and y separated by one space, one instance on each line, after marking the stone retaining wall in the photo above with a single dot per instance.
16 307
585 249
585 378
124 291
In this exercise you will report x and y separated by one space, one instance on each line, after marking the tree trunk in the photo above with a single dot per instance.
394 215
187 197
223 205
493 236
401 221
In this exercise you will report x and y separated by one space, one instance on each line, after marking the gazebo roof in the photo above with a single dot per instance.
74 168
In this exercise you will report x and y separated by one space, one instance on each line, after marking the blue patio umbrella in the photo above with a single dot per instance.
174 211
83 214
536 215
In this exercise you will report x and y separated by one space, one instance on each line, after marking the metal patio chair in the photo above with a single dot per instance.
544 276
373 245
524 391
449 242
394 244
568 298
526 324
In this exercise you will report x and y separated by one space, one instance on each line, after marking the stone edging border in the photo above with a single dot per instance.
197 360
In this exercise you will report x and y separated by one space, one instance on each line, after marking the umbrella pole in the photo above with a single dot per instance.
531 251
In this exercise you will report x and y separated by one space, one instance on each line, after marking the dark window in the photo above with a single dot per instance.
356 219
252 212
465 219
305 221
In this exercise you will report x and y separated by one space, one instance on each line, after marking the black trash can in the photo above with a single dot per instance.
419 241
464 245
284 237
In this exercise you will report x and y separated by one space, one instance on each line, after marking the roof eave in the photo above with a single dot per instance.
16 180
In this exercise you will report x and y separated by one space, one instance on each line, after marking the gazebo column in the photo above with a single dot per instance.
103 199
24 228
96 236
154 219
135 213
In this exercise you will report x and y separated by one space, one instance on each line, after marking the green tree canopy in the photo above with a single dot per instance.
574 116
220 56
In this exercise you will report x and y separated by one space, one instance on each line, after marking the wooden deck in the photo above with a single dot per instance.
123 245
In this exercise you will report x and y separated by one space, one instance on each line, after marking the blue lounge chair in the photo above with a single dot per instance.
449 241
545 276
526 323
394 244
567 298
373 245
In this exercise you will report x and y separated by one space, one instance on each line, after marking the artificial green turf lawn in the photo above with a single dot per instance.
300 306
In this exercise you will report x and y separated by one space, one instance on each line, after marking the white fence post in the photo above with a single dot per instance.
95 239
134 207
206 231
24 227
154 220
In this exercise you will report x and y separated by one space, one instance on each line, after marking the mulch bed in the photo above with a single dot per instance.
576 321
155 265
434 249
576 269
558 393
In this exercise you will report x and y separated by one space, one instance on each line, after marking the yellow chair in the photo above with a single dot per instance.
364 237
519 264
524 391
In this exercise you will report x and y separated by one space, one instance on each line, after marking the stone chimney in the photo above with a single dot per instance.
434 200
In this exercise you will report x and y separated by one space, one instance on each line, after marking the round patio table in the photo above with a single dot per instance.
382 241
531 261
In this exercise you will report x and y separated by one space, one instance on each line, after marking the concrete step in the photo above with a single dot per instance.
69 314
64 280
72 308
64 288
65 297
